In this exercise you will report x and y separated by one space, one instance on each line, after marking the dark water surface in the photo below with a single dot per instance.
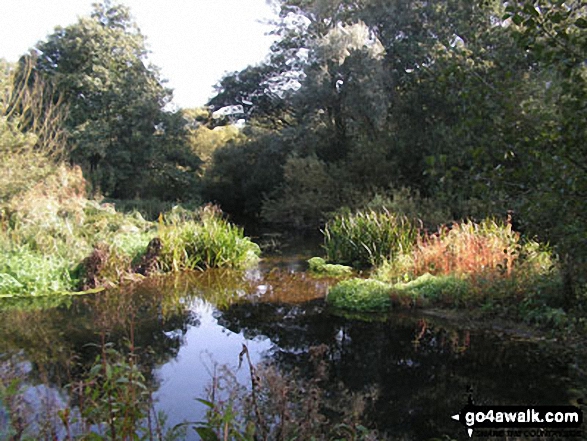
417 368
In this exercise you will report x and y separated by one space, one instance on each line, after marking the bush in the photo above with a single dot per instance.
209 242
367 238
360 295
409 203
308 193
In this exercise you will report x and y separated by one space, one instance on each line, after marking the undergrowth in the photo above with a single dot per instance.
54 240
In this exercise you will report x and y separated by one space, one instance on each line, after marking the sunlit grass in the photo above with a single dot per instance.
367 238
210 242
51 230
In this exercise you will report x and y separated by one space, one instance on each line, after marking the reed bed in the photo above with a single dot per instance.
367 238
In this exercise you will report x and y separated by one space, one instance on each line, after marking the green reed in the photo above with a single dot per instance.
366 238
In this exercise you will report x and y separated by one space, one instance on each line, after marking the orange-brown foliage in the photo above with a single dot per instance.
467 248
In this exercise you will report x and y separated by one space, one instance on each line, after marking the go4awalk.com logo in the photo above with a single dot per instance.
553 418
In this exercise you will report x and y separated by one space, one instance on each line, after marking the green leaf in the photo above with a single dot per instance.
581 23
206 433
205 402
517 19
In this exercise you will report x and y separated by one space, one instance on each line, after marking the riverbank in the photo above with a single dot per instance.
54 240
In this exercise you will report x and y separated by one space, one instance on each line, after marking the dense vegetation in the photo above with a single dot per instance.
440 145
377 121
417 115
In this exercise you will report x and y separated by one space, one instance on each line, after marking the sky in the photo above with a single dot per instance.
193 42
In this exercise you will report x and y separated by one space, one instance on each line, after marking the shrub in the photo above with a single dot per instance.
360 295
209 242
318 266
408 202
308 193
367 238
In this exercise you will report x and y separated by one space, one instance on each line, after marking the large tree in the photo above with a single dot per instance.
120 132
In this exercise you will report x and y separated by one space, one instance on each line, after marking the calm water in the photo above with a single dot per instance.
417 369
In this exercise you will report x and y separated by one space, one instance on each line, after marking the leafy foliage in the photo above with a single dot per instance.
318 266
126 143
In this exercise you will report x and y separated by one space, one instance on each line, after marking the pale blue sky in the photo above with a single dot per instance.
193 42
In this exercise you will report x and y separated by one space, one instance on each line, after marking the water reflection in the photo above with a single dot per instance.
183 327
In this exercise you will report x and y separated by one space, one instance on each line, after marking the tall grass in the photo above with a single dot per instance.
467 248
208 242
486 249
479 264
367 238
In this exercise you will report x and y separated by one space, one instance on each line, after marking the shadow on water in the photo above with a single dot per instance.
419 367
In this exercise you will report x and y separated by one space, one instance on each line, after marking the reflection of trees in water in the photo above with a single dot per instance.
421 368
62 343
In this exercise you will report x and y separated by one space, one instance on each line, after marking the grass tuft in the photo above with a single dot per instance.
210 242
367 238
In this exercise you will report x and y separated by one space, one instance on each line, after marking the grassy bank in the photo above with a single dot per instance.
485 266
54 240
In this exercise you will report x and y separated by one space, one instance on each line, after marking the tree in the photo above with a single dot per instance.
117 119
554 177
259 94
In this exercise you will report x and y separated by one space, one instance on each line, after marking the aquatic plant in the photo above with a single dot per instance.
360 295
207 243
318 266
428 289
367 238
24 271
467 248
486 265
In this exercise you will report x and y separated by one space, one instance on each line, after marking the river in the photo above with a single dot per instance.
411 369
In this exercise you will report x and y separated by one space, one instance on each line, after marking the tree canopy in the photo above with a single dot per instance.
480 105
121 133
